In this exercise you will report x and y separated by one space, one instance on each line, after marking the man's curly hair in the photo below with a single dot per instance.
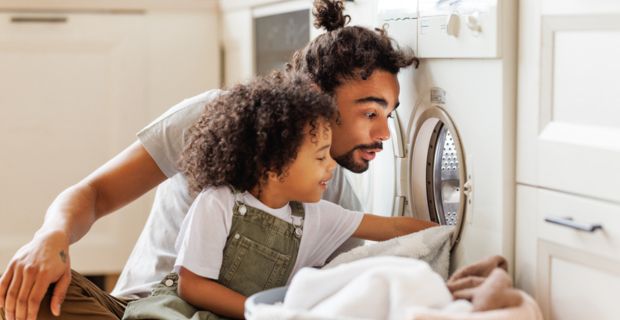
252 129
346 52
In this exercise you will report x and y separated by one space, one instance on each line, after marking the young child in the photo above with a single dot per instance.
260 159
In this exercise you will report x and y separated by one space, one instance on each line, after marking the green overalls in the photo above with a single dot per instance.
259 254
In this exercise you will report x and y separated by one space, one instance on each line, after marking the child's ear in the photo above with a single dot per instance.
272 176
275 177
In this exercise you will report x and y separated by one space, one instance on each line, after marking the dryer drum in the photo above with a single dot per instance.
437 173
443 180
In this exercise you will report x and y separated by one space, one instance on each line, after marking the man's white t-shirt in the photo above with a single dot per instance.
203 235
154 254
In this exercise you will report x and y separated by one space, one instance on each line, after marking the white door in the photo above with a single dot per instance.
568 164
569 97
73 93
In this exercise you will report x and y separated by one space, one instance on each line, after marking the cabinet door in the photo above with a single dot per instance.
569 119
237 40
574 274
73 94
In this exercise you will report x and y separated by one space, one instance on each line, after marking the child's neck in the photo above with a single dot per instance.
269 197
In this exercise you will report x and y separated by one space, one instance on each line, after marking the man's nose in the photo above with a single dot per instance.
382 131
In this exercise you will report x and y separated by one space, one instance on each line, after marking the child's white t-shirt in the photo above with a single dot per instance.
154 253
204 231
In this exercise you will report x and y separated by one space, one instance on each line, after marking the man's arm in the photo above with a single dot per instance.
379 228
210 295
45 259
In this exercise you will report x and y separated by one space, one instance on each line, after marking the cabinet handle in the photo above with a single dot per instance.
27 19
568 222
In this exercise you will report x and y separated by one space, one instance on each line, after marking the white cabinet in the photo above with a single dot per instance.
75 88
238 45
568 157
572 274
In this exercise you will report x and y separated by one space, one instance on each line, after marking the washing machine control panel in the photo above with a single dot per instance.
400 18
444 28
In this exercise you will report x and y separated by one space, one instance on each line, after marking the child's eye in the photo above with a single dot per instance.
322 158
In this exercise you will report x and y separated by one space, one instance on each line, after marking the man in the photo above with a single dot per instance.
356 65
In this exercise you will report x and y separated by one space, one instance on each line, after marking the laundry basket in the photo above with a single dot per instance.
270 296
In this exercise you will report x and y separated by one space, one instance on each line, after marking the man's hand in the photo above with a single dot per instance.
45 259
486 284
474 274
36 265
495 292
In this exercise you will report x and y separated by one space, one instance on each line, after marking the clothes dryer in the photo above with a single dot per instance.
452 157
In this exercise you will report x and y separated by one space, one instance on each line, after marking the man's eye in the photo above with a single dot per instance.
370 115
321 159
390 115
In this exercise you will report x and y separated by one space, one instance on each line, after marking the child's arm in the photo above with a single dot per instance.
379 228
209 295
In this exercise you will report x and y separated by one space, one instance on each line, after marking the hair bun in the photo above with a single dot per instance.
329 14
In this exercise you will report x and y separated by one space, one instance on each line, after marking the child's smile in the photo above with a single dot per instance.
307 177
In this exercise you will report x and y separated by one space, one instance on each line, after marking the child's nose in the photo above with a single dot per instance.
331 164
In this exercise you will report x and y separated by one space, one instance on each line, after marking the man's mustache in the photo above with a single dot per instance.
376 145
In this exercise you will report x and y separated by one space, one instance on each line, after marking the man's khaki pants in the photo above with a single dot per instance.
85 301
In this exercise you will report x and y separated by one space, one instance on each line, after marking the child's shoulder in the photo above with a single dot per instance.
220 193
213 200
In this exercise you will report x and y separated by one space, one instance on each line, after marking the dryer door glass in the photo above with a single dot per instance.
437 174
445 177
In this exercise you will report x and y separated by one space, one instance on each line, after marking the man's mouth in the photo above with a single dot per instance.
369 154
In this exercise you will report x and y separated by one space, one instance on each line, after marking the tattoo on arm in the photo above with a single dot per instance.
63 256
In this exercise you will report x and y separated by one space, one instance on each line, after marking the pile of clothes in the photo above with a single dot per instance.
404 278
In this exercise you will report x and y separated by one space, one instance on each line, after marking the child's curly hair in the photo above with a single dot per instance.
252 129
346 52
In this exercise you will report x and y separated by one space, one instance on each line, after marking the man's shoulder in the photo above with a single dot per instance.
197 100
184 112
203 97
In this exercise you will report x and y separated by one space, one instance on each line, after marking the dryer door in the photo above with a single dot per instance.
439 186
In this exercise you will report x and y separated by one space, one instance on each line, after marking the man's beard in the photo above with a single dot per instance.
346 160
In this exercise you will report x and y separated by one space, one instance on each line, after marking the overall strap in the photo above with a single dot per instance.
297 209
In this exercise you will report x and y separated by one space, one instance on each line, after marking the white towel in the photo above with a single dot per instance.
366 283
379 288
370 288
431 245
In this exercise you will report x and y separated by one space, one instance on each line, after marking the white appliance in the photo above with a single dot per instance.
453 150
468 53
279 30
